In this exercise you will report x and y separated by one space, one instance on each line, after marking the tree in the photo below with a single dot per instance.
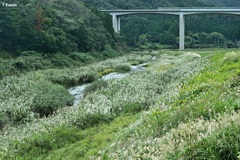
216 38
39 22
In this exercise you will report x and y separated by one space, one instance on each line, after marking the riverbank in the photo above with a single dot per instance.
143 97
32 61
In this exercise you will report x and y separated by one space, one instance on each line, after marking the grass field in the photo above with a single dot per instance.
184 105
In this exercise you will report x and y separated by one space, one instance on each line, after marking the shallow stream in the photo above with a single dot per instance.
78 91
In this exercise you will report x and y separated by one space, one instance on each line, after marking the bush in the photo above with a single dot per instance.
61 60
95 86
3 120
67 77
29 53
30 62
90 120
134 108
231 57
110 53
44 143
82 57
49 97
123 68
106 71
222 145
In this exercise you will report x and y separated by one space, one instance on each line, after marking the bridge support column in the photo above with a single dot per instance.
181 31
116 23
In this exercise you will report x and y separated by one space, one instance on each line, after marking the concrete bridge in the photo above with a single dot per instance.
181 12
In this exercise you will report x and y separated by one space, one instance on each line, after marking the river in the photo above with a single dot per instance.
78 91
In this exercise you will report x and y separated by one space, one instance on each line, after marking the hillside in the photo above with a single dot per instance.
139 4
222 3
163 29
70 90
53 26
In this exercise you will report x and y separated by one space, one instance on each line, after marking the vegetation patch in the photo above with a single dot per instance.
71 142
133 62
173 110
180 126
231 57
106 71
133 108
224 144
165 67
96 85
49 97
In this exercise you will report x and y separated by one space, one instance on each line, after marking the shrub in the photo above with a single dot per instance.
68 77
90 120
87 77
49 97
3 120
123 68
134 108
235 81
106 71
82 57
223 145
44 143
29 53
61 60
97 85
110 53
30 62
231 57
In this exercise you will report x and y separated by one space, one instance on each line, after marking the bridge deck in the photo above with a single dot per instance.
181 12
177 10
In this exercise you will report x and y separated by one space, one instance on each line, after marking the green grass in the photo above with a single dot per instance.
209 94
225 144
206 91
31 61
211 51
83 143
99 127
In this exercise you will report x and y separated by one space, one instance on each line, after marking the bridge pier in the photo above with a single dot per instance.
116 23
181 12
181 31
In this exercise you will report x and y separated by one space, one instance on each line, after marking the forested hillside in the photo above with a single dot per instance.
139 4
201 30
222 3
71 89
53 26
66 26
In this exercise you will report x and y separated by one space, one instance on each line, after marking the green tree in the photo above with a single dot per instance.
216 38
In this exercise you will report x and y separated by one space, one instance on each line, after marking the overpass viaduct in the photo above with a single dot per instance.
181 12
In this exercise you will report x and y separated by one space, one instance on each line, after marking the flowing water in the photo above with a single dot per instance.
78 91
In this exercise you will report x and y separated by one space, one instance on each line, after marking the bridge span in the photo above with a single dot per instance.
181 12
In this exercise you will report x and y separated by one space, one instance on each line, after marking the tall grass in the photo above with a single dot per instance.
180 100
28 96
188 125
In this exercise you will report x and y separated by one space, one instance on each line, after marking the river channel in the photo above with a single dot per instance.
78 91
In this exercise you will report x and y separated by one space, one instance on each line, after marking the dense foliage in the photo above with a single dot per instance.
182 105
163 29
54 26
31 61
